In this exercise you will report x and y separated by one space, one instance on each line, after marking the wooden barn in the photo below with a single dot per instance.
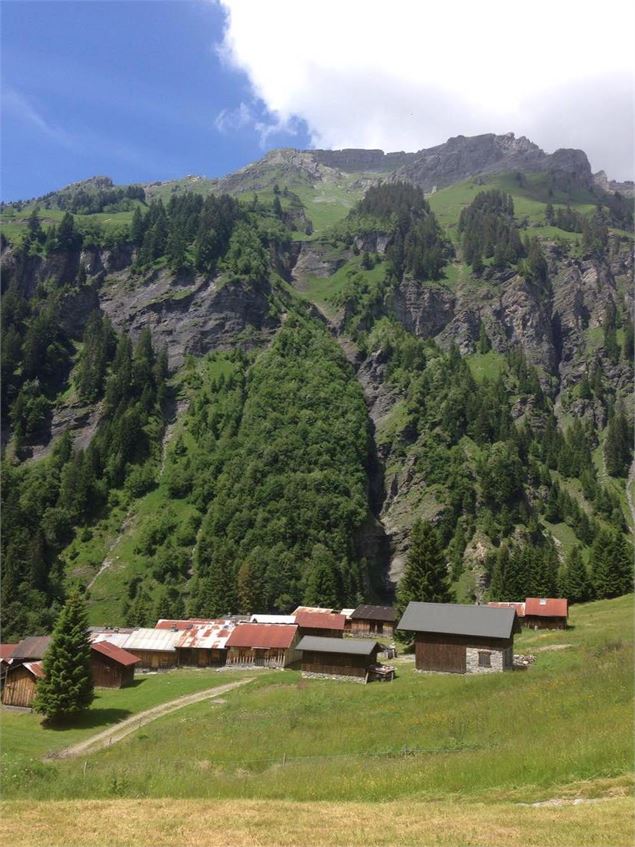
325 624
453 638
263 645
6 652
111 666
21 684
373 620
518 607
546 613
155 648
344 658
204 645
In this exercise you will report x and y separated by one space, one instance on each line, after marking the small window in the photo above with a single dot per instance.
484 660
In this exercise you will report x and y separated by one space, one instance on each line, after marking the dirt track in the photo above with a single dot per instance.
126 727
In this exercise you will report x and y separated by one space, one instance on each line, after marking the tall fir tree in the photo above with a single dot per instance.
576 585
67 687
425 578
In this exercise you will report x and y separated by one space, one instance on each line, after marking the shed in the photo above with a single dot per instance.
204 645
455 638
262 645
373 620
321 623
110 666
346 658
546 613
31 649
21 684
156 648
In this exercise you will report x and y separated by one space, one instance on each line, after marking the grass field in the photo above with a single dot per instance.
315 749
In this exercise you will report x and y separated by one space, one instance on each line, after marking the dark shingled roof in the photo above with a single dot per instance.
347 646
375 613
456 619
31 648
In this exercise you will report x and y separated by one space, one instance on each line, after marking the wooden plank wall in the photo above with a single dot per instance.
19 688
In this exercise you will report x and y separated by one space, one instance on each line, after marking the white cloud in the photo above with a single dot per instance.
409 73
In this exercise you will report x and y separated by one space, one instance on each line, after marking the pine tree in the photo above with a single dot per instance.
68 686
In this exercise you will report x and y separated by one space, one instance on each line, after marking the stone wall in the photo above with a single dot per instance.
343 677
500 660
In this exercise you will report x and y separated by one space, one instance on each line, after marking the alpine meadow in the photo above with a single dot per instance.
318 478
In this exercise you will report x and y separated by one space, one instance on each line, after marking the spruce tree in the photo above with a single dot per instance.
576 585
67 687
425 578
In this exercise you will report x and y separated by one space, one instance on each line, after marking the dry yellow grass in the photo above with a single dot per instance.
605 822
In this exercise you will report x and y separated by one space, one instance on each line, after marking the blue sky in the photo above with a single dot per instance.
131 90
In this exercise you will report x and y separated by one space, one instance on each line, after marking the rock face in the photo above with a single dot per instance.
461 157
353 160
423 310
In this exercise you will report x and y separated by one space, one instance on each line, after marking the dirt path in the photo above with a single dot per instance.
108 561
126 727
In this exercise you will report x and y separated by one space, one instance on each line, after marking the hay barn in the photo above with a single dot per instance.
453 638
110 666
263 645
204 645
346 658
155 648
21 684
546 613
326 624
373 620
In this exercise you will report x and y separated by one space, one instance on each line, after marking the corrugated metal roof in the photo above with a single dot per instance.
36 668
210 636
317 620
166 623
288 619
375 613
457 619
519 607
122 657
161 640
346 612
345 646
6 650
262 636
31 648
548 607
311 609
112 637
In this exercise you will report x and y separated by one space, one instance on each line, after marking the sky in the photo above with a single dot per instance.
157 89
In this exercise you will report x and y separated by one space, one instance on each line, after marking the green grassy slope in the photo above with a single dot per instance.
517 735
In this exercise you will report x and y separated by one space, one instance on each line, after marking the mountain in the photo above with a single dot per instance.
240 393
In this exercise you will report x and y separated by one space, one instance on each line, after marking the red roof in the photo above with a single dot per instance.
117 654
547 607
164 623
320 620
6 650
520 607
36 668
262 636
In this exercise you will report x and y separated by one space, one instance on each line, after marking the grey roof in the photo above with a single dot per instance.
33 647
375 613
346 646
457 619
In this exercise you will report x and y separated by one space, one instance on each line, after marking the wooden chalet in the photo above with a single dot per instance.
20 684
373 620
325 624
453 638
204 645
155 648
546 613
111 666
262 645
346 658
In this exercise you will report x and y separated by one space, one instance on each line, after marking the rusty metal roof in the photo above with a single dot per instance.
168 623
375 613
122 657
118 639
262 636
206 636
31 648
548 607
36 668
6 651
317 620
520 607
161 640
